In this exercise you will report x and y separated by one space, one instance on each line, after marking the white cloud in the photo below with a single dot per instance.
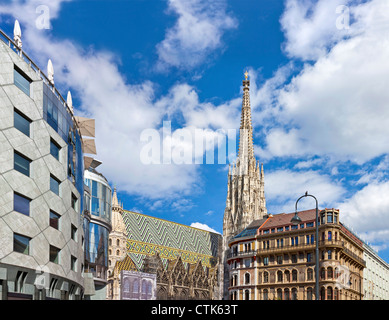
338 105
310 27
284 187
197 33
203 226
367 210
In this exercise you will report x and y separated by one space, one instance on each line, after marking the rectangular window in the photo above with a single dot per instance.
279 259
302 226
266 261
309 257
54 149
54 185
74 202
280 229
21 243
294 227
73 231
54 220
309 224
21 122
22 81
73 263
21 164
21 204
54 254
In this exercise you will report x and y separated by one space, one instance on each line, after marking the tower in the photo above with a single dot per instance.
245 194
118 235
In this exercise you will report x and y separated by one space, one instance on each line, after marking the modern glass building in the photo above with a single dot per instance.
97 226
41 184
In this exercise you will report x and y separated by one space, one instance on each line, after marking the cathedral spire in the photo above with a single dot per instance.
246 147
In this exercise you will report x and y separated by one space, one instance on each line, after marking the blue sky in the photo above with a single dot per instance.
318 72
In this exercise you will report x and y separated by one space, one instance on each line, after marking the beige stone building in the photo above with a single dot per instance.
274 259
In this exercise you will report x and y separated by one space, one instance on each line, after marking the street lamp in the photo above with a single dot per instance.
296 220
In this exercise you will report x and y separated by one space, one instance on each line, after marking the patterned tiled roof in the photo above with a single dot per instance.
147 235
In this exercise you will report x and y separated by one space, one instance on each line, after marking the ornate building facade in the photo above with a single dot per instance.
246 185
274 260
184 259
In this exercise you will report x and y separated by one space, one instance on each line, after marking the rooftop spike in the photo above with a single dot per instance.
50 72
69 101
17 34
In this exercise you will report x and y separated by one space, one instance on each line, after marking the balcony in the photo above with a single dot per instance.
241 254
300 247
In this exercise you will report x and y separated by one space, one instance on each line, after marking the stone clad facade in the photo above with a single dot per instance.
41 253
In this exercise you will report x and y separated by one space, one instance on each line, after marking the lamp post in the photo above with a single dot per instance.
296 220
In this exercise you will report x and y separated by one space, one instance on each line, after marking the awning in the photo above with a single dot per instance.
89 146
91 163
87 126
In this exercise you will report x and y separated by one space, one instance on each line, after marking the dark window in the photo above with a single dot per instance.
54 185
54 254
54 149
73 263
54 220
21 123
73 233
22 81
21 244
21 164
21 204
74 202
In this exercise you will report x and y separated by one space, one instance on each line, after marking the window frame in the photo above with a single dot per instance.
19 84
18 114
23 198
18 166
25 238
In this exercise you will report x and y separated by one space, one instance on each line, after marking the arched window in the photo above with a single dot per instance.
309 293
323 273
286 294
330 273
279 276
266 277
118 242
279 294
294 275
336 294
247 278
118 252
287 276
310 274
247 295
329 293
265 294
294 294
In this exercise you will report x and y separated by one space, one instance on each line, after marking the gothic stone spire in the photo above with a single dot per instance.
245 195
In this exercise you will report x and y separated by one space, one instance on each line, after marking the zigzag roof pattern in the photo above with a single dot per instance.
151 234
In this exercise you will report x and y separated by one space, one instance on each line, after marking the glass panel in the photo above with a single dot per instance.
54 149
54 185
54 254
21 204
21 123
21 164
21 244
54 220
21 82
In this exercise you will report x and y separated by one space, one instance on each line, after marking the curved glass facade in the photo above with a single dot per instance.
56 115
100 194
